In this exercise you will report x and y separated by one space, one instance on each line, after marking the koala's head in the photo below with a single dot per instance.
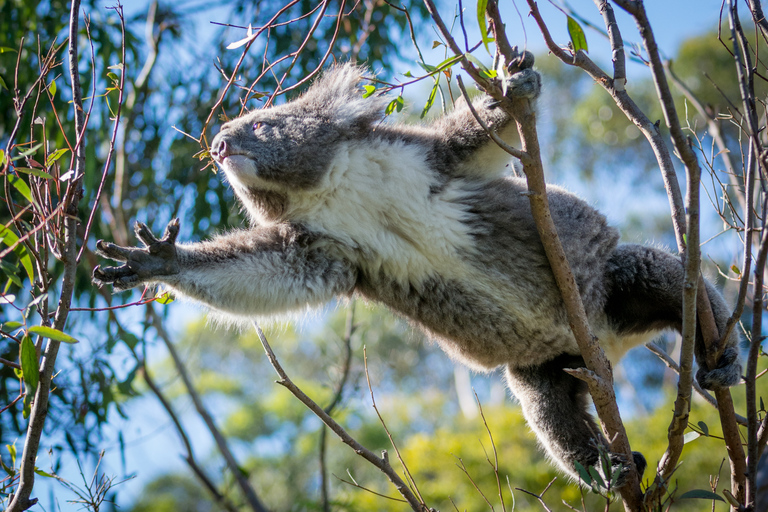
288 148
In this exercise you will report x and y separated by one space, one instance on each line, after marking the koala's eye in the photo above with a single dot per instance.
260 124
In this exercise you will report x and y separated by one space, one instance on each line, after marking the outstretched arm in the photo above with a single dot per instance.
248 272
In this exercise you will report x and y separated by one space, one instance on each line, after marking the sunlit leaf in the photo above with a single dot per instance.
4 49
10 239
29 363
394 105
483 23
736 270
54 334
578 39
52 88
369 90
43 473
21 186
55 156
164 298
11 326
2 157
690 436
29 151
430 100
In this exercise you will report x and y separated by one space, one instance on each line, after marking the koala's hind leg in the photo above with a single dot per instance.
645 293
555 406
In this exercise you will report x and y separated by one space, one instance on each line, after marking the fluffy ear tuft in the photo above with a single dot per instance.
338 93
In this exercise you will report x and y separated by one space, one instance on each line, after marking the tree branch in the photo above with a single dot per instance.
242 481
601 388
381 463
21 498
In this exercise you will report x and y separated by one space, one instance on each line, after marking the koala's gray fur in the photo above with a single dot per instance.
425 220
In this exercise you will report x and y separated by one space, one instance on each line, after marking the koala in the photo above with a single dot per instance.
426 220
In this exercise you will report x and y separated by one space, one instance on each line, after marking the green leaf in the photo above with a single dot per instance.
369 90
596 476
2 157
578 39
483 23
29 363
2 84
583 473
52 88
29 369
430 100
395 104
704 428
43 473
164 298
4 49
428 67
54 334
55 156
35 172
10 239
690 436
490 73
12 453
12 326
29 151
21 186
700 494
733 267
408 74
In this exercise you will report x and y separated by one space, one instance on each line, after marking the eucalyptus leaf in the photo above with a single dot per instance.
578 39
700 494
51 333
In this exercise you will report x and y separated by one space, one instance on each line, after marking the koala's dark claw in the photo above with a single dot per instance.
112 251
171 231
620 463
157 259
144 234
727 373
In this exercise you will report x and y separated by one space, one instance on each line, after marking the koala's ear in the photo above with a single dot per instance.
338 94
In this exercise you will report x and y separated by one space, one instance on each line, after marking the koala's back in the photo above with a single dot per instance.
507 308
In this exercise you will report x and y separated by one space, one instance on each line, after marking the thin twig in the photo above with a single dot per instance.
254 502
382 463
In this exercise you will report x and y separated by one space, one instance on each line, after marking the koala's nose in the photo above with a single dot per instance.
220 149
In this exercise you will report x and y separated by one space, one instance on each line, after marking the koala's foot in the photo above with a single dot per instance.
619 463
141 265
526 83
726 374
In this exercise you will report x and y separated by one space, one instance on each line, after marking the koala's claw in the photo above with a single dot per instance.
141 265
526 83
619 463
727 373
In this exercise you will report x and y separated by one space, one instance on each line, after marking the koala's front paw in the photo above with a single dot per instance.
620 464
157 258
525 83
727 373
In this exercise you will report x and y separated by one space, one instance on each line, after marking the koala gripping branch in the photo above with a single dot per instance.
598 375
